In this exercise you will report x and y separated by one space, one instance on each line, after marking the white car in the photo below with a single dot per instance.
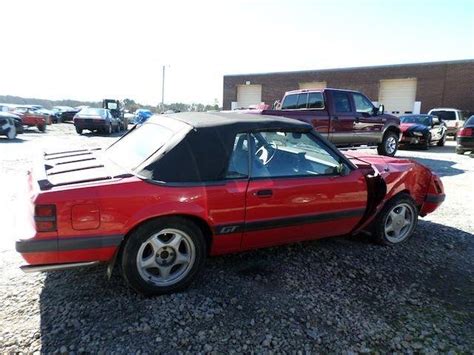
453 118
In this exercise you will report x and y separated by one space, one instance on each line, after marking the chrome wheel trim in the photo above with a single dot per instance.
166 257
390 144
399 223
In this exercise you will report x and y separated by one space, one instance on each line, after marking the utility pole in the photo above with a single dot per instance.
163 90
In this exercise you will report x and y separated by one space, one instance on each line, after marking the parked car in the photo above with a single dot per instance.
453 118
31 117
187 185
115 108
347 118
142 115
10 125
422 130
96 119
465 137
66 113
52 116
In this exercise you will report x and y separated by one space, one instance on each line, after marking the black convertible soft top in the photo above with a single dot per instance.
203 154
235 122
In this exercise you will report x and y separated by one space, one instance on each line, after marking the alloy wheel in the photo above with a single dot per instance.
166 257
399 222
390 145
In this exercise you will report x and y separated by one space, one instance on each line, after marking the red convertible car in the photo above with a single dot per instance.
184 186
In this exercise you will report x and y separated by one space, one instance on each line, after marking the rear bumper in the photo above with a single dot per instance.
91 125
465 142
71 250
451 131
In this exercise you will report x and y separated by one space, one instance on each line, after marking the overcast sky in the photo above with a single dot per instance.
89 50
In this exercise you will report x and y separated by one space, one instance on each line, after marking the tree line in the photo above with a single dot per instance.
129 104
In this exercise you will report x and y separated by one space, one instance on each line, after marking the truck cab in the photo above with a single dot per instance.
116 110
347 118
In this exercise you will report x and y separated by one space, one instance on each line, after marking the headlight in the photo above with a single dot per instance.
418 134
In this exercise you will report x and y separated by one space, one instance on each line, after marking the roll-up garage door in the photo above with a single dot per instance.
398 95
249 95
313 85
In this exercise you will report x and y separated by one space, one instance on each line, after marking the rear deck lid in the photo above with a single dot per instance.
74 167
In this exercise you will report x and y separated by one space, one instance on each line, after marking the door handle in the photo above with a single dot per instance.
335 118
264 193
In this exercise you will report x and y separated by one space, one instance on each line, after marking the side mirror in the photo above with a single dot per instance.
342 169
381 109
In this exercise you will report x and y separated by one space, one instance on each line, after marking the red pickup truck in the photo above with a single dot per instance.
347 118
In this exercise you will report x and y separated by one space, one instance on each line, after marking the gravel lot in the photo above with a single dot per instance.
336 295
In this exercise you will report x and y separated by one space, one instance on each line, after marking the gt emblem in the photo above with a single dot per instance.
228 229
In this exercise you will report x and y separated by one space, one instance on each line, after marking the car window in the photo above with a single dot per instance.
284 154
362 104
469 121
315 100
137 146
341 102
92 112
445 115
289 102
239 159
302 101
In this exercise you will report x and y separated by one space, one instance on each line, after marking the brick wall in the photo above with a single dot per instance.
447 84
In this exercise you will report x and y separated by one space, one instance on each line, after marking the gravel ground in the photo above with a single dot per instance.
335 295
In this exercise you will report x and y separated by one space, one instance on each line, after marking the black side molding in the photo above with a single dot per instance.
435 198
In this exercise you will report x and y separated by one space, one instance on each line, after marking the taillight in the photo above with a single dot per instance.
45 218
465 132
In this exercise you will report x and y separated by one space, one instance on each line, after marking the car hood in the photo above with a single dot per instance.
75 167
413 127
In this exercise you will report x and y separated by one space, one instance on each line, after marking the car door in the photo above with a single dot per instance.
297 191
368 125
342 118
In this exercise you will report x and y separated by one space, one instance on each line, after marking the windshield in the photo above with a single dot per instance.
424 120
444 115
137 146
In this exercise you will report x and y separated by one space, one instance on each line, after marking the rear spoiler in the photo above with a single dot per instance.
47 161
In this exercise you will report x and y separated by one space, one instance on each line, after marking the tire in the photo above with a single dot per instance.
41 128
389 144
78 130
427 144
459 151
390 226
11 133
108 130
150 253
442 141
